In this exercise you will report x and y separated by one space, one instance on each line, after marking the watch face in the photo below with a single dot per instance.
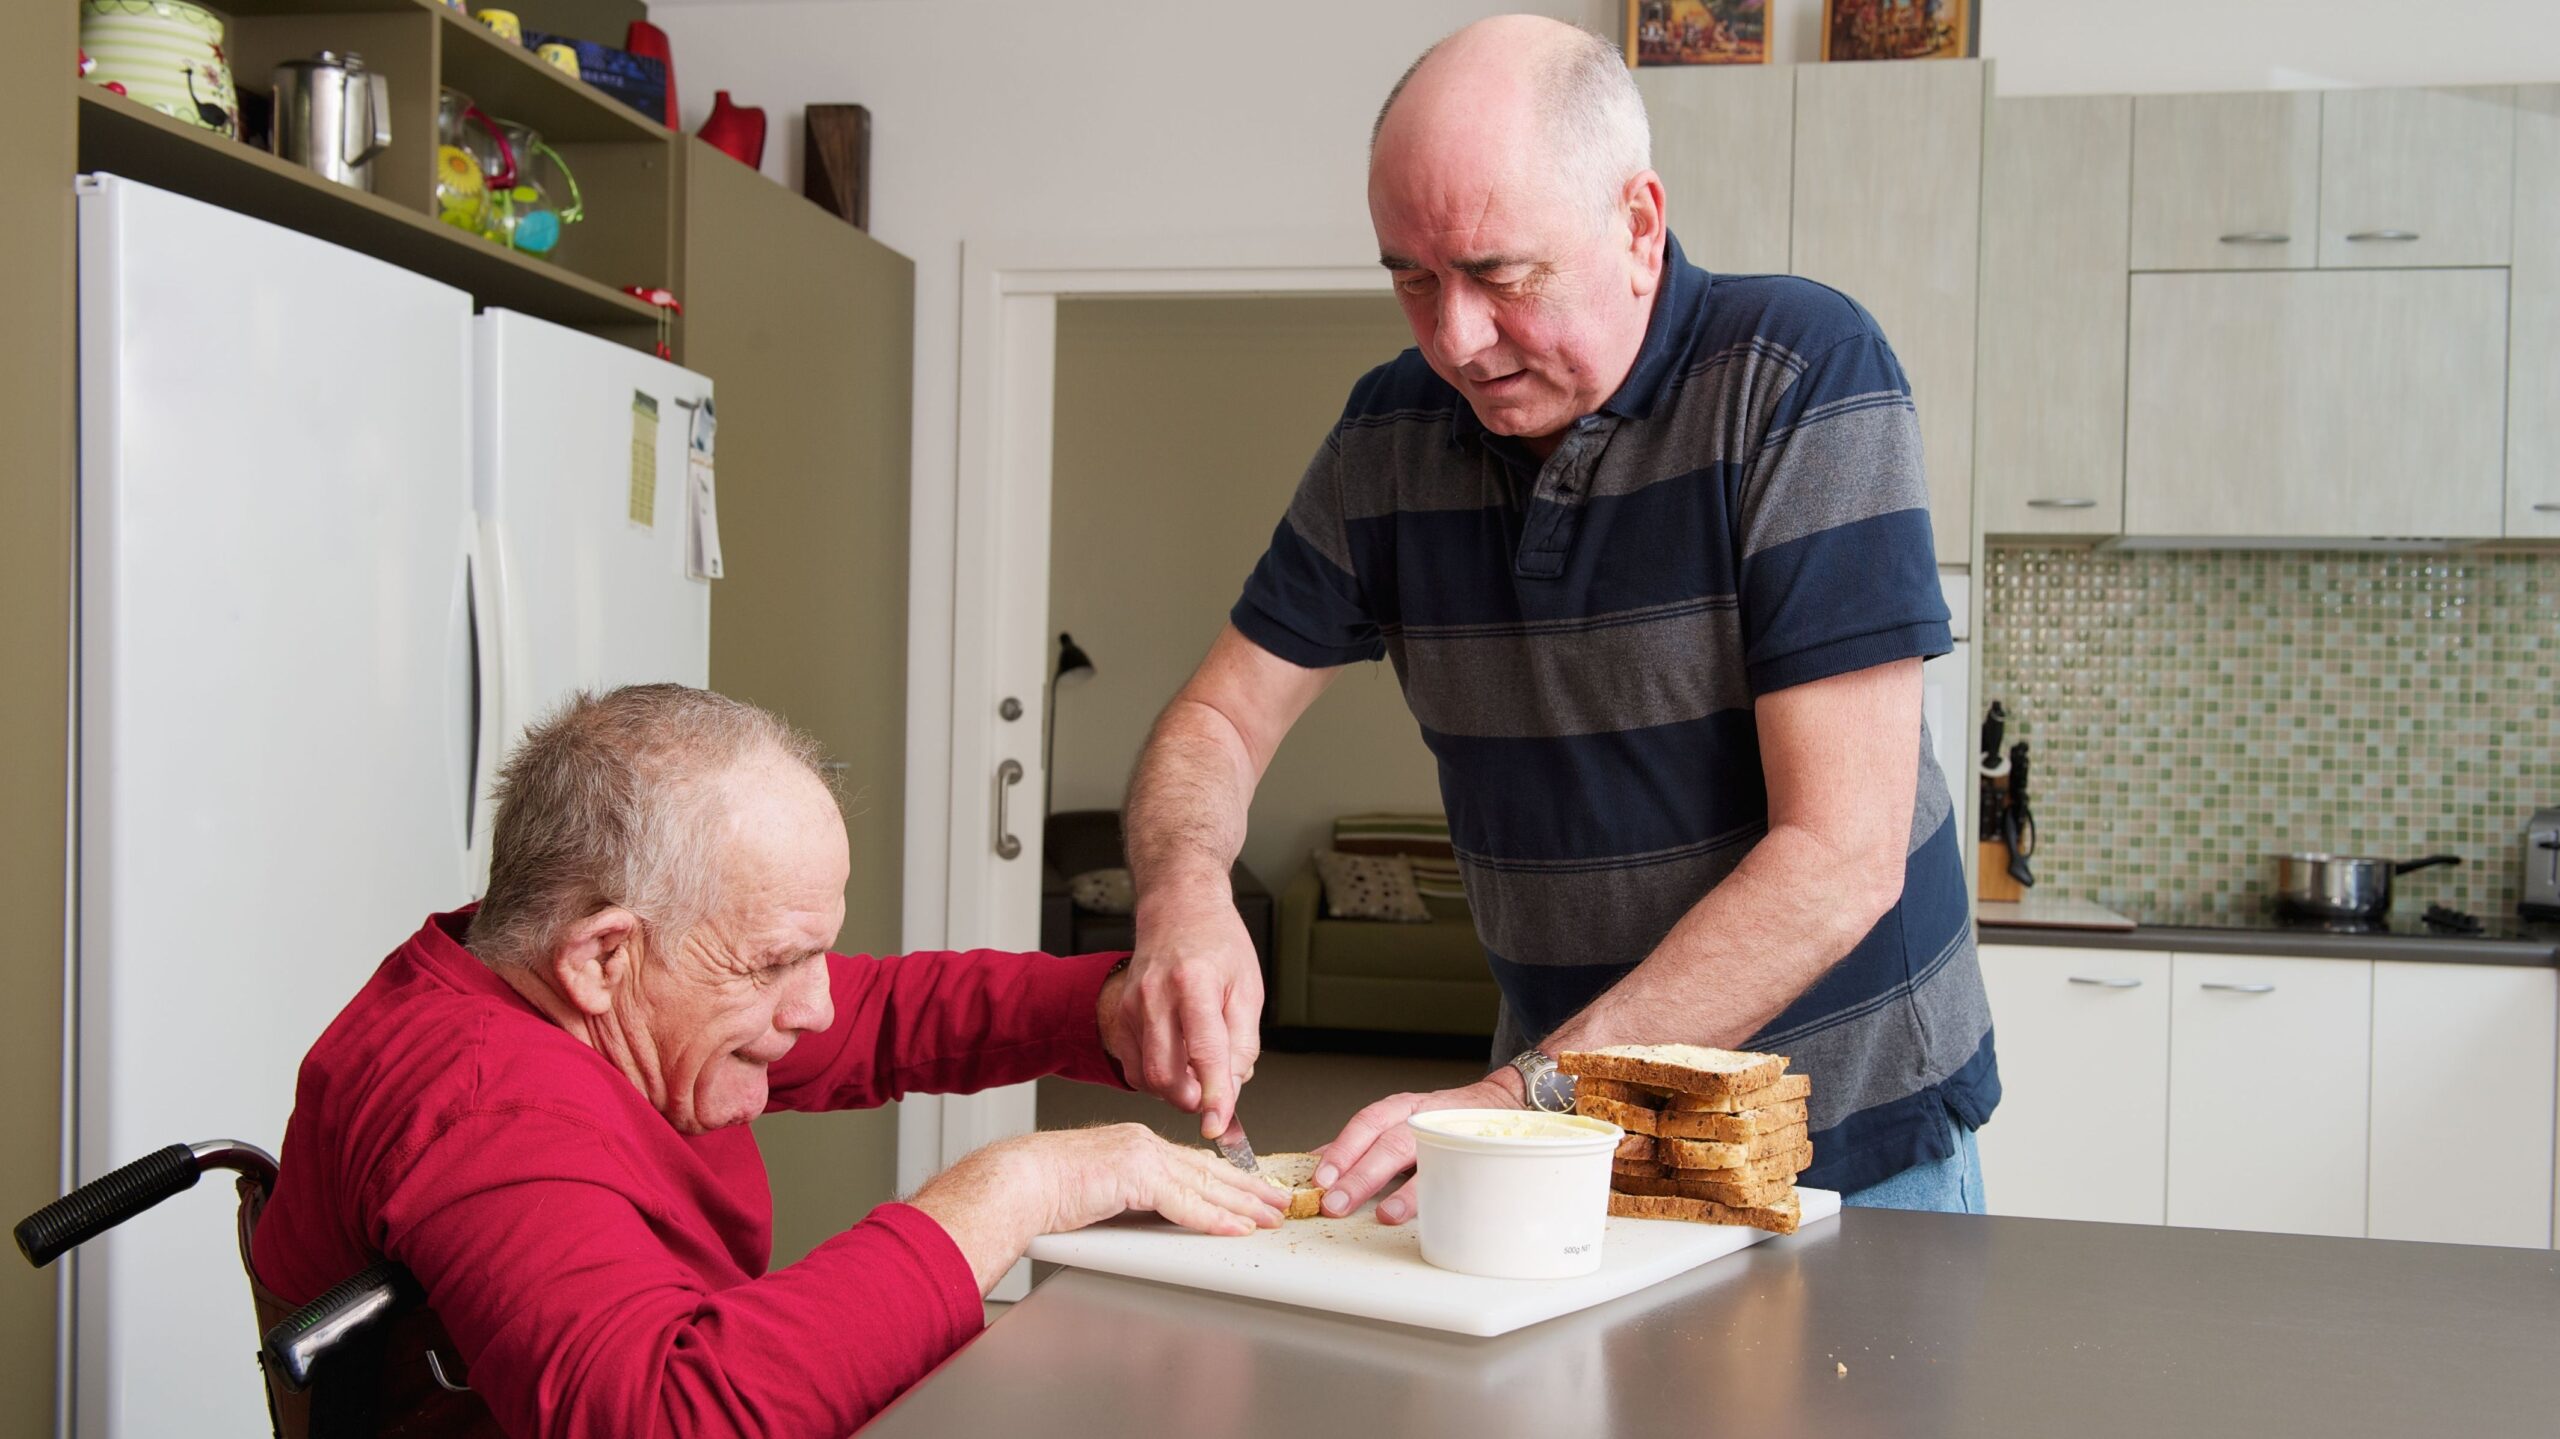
1554 1091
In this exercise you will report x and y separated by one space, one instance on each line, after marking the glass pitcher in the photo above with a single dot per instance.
473 161
531 214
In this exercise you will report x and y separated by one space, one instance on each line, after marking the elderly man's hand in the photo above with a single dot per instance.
1186 1026
1375 1146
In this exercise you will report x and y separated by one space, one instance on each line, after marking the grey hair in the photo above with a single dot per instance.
1594 114
618 799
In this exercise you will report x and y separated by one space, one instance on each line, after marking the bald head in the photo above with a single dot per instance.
1541 91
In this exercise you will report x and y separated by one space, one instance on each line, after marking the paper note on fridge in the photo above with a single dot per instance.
702 498
644 459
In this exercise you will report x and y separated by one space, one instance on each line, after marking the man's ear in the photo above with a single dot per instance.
1647 226
595 959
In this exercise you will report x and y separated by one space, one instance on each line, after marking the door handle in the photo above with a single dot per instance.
2072 504
2400 235
2107 983
2258 237
2242 988
1008 774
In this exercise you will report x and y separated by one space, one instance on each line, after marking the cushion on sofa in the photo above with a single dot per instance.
1423 839
1370 886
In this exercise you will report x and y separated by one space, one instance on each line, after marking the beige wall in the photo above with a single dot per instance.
35 634
1182 428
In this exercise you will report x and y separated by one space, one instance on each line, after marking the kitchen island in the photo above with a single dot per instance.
1946 1325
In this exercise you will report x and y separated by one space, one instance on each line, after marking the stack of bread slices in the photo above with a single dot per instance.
1714 1136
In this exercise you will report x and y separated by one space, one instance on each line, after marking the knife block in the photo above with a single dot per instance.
1991 881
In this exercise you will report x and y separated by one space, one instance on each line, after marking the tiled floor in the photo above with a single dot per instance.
1295 1102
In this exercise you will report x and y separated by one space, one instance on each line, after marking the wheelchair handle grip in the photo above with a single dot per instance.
105 1202
298 1344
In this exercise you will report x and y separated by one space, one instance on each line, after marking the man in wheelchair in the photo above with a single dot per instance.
540 1105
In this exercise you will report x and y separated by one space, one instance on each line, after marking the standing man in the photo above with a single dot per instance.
1650 551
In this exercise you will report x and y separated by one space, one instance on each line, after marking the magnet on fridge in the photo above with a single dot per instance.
702 518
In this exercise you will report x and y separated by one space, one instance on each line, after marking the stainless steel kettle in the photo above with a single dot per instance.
332 116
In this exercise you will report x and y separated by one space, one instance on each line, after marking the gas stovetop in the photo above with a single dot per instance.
2436 922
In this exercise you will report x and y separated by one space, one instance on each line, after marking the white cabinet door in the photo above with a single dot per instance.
1723 142
2462 1103
2416 177
1888 208
2269 1066
2533 371
2082 1128
2226 182
2049 420
2349 404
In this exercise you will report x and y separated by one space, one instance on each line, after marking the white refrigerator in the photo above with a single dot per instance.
315 598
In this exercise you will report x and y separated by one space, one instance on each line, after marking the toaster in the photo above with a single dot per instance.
2541 894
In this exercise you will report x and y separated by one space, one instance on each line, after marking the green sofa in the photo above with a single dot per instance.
1377 976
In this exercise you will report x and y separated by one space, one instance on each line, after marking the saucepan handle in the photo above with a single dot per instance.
2430 862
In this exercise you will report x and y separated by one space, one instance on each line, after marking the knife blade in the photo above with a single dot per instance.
1236 1149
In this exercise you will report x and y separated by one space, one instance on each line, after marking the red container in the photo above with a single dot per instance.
650 42
736 130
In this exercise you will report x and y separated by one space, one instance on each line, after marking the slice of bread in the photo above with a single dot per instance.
1739 1195
1786 1089
1785 1164
1779 1215
1739 1128
1297 1174
1635 1146
1724 1154
1635 1119
1716 1075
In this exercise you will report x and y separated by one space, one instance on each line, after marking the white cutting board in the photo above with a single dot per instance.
1356 1265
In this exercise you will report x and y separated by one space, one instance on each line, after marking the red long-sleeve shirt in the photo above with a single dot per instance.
604 1275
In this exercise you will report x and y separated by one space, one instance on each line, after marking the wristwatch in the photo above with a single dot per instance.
1549 1088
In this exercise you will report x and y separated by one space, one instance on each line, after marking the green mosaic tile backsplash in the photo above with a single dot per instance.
2190 712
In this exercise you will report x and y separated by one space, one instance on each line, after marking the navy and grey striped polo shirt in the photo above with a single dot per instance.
1582 639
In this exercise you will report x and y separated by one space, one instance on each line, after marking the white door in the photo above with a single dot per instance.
275 725
580 477
2226 182
2416 176
2269 1065
2083 1126
2462 1085
2348 404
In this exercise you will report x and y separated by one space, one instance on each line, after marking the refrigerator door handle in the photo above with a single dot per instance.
480 750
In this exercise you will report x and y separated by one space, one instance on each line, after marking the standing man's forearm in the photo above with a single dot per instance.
1188 799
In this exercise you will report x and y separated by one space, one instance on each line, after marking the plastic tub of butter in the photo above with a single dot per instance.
1513 1194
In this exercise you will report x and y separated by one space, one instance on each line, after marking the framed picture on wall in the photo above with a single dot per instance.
1697 32
1899 29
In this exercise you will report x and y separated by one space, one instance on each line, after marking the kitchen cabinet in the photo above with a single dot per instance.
1887 207
2269 1070
2533 370
2226 182
1723 143
2082 1130
2346 404
2049 419
2462 1103
2416 176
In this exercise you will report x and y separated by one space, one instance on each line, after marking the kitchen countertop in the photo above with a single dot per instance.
2537 945
1949 1325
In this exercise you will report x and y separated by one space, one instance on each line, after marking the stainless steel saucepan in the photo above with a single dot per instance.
2338 886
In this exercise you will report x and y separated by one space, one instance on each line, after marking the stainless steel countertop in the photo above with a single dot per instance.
2540 949
1950 1325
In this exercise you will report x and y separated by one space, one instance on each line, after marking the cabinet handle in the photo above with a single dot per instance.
2062 504
2242 988
2547 507
2398 235
2107 983
2258 237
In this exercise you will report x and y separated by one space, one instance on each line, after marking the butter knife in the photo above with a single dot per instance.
1236 1149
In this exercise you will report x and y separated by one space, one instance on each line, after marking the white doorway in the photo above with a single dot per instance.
997 577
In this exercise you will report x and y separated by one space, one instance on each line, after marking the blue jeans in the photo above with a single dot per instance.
1952 1185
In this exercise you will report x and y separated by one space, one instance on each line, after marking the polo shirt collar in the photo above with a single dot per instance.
1666 340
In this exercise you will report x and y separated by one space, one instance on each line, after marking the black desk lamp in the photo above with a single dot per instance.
1074 667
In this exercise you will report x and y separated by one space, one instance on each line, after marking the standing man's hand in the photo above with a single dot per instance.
1187 1026
1375 1146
